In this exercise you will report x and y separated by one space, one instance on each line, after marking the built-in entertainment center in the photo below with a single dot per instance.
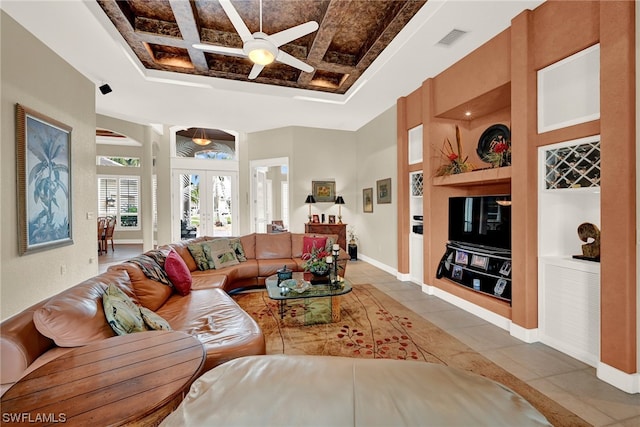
478 253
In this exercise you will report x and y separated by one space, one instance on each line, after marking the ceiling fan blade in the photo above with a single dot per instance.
255 71
236 20
285 58
223 50
290 34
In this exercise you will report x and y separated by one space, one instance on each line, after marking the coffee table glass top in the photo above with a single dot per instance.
314 291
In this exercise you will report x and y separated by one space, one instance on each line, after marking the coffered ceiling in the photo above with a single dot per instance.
366 54
351 36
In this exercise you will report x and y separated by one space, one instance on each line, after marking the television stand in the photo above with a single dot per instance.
482 269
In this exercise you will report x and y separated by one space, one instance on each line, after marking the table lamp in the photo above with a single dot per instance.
309 201
339 202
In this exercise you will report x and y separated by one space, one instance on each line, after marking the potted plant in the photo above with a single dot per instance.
352 247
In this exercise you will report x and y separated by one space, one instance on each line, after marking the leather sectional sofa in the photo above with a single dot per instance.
75 316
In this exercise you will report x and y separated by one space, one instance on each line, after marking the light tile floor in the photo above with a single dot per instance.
570 382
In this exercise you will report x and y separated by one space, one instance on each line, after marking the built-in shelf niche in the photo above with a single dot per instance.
415 145
569 194
568 288
569 91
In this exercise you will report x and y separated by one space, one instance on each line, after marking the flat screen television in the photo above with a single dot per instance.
481 220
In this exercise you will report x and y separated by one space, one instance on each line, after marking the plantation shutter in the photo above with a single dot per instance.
107 196
129 198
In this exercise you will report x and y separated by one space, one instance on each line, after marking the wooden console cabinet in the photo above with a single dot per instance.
322 228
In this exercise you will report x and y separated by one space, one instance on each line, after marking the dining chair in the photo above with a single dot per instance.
102 224
108 233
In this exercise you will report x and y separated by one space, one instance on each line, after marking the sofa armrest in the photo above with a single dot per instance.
20 344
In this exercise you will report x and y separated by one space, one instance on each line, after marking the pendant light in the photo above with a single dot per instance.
200 138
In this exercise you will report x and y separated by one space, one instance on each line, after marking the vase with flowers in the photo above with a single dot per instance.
499 154
455 163
316 262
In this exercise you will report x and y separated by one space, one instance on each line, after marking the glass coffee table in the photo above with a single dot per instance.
313 291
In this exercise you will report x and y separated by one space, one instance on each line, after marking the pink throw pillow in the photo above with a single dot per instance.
309 243
178 273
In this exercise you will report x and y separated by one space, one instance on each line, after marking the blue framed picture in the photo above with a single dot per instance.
43 166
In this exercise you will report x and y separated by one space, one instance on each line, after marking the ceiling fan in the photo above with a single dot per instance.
260 48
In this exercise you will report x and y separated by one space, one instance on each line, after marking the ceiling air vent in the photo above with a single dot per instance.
452 37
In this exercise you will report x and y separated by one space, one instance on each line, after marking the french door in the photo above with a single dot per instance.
205 202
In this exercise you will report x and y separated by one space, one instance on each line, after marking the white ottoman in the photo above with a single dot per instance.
338 391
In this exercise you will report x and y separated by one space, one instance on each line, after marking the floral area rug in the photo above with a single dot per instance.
374 325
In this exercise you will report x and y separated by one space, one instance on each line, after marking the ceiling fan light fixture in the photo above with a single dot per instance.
261 56
260 51
200 138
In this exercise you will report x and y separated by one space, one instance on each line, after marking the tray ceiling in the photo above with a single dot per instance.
351 36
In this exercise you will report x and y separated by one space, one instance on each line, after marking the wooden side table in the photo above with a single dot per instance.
324 228
132 379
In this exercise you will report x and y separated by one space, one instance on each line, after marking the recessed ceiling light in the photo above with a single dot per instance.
468 113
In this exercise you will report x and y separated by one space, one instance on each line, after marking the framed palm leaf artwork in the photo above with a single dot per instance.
43 166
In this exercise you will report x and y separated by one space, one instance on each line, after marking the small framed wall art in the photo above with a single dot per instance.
324 191
383 187
367 200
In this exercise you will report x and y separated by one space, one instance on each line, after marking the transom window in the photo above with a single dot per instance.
130 162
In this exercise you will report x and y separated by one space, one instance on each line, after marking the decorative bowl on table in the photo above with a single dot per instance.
298 286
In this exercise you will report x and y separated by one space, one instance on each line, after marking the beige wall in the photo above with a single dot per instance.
40 80
376 159
355 160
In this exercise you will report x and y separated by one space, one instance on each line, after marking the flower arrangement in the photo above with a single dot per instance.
352 234
499 153
316 261
455 163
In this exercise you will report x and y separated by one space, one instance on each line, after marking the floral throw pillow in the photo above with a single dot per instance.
151 269
122 314
197 252
236 245
310 243
153 320
224 258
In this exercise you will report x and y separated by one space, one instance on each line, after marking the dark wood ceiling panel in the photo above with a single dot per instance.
352 34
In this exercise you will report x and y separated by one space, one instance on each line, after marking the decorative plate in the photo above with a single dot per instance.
301 286
493 135
288 283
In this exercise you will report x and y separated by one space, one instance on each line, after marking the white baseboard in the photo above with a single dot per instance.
629 383
403 277
127 241
527 335
378 264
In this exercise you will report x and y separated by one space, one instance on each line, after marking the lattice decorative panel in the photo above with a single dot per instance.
416 184
577 166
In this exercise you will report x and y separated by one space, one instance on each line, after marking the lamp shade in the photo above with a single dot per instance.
339 200
310 199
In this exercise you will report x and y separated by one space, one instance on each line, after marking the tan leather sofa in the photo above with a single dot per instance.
266 254
75 316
